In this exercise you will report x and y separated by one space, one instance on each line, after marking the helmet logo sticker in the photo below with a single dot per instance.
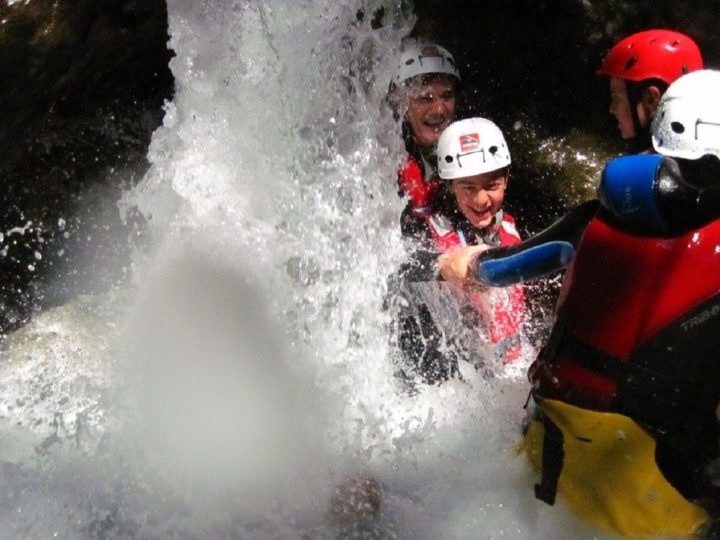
429 51
469 142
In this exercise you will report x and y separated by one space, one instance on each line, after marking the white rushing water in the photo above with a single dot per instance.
246 372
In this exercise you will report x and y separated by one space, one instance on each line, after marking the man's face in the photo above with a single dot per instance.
480 197
431 108
620 108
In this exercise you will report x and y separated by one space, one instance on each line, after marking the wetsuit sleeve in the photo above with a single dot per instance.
421 266
545 252
568 228
661 196
411 226
691 198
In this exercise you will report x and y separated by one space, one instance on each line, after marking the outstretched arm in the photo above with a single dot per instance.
540 254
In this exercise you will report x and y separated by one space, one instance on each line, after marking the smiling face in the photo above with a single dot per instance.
431 108
480 197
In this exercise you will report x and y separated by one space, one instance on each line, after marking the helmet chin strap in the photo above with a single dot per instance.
642 141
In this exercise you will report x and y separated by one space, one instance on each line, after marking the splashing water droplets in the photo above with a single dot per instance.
248 370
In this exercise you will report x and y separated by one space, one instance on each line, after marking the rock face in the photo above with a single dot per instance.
83 82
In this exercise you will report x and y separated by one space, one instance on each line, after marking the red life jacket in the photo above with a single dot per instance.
621 292
638 333
420 191
503 319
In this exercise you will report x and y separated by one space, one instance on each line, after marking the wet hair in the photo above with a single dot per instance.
635 91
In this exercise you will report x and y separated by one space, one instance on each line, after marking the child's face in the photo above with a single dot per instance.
480 197
431 108
620 108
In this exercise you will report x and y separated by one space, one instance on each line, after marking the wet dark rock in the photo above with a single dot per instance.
83 84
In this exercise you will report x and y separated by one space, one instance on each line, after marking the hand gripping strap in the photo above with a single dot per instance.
528 264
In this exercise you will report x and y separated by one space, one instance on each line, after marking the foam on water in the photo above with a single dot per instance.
246 371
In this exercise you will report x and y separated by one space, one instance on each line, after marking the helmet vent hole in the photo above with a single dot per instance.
675 43
493 149
660 142
449 159
409 61
631 62
677 127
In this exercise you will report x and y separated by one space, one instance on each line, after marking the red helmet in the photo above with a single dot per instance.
652 54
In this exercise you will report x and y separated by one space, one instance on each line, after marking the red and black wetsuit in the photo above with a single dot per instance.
423 345
637 329
638 332
419 183
420 190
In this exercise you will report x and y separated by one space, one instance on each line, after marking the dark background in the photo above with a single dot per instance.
535 62
82 84
538 58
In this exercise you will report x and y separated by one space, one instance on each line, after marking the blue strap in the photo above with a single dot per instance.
529 264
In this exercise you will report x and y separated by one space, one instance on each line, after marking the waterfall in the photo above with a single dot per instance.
245 370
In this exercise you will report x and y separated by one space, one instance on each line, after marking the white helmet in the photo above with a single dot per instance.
687 122
469 147
422 58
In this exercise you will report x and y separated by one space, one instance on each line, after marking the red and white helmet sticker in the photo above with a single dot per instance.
469 142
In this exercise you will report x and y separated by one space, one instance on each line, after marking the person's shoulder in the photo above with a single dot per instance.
410 160
508 230
508 218
412 226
